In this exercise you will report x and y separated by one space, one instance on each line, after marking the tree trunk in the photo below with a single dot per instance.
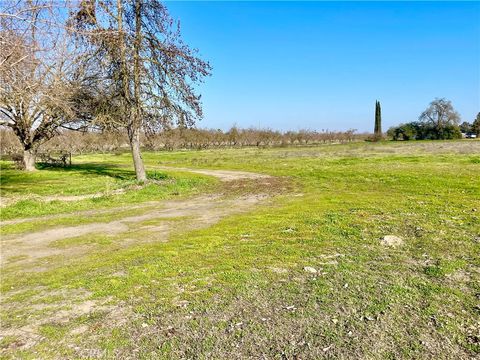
29 160
134 136
136 123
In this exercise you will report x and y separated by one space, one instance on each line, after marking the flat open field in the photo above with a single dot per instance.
246 253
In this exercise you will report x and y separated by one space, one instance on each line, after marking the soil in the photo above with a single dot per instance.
197 212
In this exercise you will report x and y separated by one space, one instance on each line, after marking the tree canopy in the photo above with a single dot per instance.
149 70
439 121
40 74
106 64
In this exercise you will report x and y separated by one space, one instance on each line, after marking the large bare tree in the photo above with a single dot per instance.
39 73
150 70
440 113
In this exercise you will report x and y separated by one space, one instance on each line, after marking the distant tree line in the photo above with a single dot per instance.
471 128
178 138
119 72
440 121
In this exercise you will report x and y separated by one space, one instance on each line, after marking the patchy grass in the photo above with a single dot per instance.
33 194
238 289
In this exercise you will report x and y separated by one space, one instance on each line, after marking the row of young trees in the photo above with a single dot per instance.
236 137
177 138
107 65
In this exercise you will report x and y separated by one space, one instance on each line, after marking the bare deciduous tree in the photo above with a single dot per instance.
440 113
38 73
178 138
147 64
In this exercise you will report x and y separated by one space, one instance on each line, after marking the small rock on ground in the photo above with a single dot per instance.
310 269
391 240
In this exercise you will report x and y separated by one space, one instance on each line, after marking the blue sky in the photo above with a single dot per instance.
322 65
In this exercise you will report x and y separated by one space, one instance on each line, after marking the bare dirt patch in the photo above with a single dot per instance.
70 308
223 175
391 240
7 201
243 191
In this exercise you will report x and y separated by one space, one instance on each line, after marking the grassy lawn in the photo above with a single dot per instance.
238 288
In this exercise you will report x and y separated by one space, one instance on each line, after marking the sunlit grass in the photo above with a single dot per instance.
26 192
239 287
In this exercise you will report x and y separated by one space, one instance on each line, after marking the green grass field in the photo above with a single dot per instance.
231 283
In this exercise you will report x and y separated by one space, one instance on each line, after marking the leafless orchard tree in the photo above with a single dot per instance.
39 73
149 70
440 113
179 138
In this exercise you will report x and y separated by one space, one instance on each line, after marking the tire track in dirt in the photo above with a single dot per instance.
199 212
223 175
4 201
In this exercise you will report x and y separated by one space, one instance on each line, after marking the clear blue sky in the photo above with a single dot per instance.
322 65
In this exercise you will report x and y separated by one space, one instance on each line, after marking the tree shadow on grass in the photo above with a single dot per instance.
52 178
18 181
98 169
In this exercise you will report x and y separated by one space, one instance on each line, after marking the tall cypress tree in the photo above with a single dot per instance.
378 121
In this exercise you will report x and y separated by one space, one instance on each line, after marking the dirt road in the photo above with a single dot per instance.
158 220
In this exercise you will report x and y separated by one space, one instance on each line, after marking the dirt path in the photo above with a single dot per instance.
223 175
197 212
4 201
